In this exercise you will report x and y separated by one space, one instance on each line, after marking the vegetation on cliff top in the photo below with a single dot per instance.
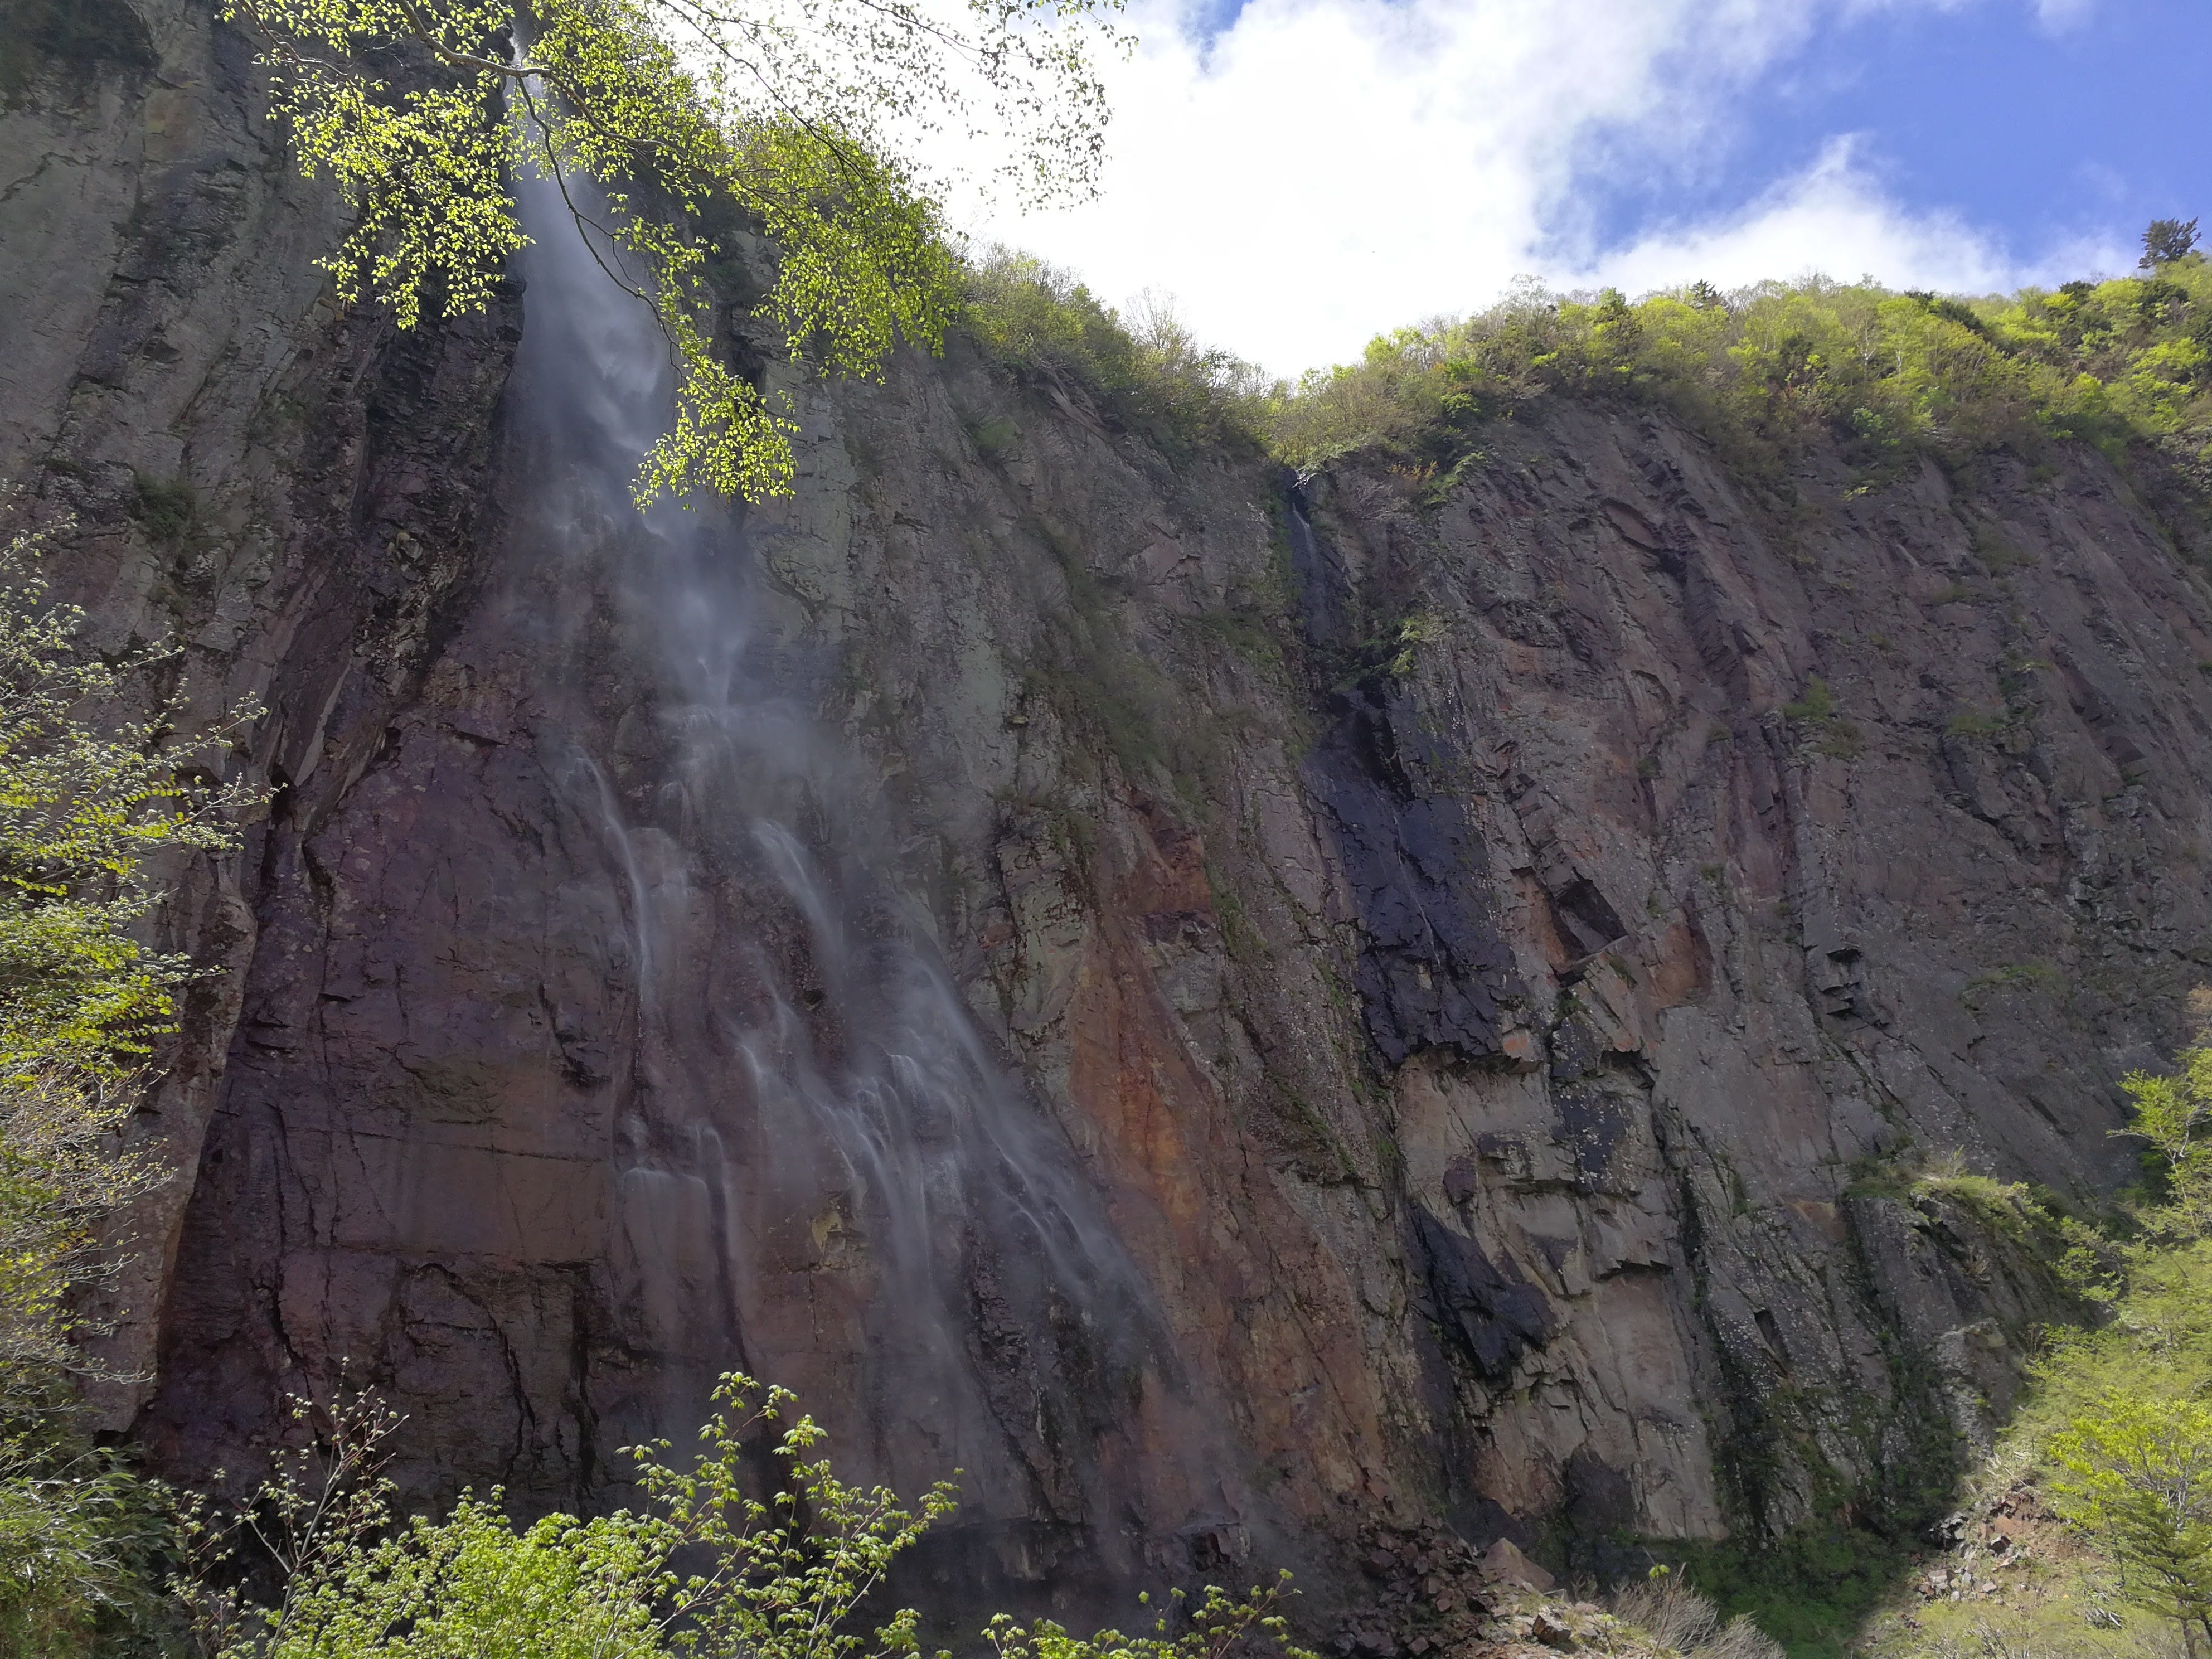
2116 363
662 121
1146 368
2124 364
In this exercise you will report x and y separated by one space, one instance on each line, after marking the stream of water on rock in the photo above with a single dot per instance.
825 1174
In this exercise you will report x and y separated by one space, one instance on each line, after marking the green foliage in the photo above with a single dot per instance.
87 799
1809 1589
1819 703
1830 734
2167 241
1973 723
2009 976
2058 1602
2134 1475
1771 368
701 1567
167 508
1218 1625
78 1533
2025 1216
2118 1430
2155 1339
654 117
1146 369
1406 640
2172 1115
2010 1209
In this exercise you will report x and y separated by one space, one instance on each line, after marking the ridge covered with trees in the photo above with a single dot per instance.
2123 364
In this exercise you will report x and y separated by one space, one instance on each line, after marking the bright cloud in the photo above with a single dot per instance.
1835 220
1324 169
2058 15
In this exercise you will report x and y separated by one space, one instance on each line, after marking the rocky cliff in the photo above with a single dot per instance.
1239 1011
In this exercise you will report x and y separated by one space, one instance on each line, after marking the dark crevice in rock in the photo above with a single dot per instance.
1432 970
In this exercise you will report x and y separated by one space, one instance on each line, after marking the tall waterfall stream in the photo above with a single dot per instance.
824 1175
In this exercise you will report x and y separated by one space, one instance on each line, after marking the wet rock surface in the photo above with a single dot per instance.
1471 974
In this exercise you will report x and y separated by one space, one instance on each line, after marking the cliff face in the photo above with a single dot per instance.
1235 1013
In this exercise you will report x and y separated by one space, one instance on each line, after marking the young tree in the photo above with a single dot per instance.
657 118
2167 240
2135 1474
88 797
2173 1115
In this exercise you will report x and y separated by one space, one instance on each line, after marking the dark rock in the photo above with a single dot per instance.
1491 1317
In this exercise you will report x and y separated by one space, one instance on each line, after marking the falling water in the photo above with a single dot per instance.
824 1175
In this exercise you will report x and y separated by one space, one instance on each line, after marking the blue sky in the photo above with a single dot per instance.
2081 127
1300 174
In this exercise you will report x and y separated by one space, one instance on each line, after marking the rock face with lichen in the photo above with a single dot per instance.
1493 955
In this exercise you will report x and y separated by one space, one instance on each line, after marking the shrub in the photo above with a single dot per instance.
1147 368
1676 1616
702 1566
87 799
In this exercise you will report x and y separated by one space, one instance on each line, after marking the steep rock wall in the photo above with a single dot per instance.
218 458
1481 1012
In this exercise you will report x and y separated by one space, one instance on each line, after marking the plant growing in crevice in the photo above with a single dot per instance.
2021 976
167 509
1830 733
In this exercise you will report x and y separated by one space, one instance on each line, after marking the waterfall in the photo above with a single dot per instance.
823 1172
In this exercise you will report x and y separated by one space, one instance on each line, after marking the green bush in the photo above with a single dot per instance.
88 797
1146 369
702 1566
2116 1430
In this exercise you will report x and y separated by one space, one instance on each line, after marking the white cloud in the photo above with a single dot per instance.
1834 219
2056 16
1324 169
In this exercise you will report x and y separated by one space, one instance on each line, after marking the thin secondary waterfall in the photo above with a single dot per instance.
822 1173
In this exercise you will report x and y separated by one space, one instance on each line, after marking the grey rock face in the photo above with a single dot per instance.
1453 957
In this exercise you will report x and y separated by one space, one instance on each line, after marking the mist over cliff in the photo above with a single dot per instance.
1253 1013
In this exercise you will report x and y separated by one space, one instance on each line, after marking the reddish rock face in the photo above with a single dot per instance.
992 944
599 1057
